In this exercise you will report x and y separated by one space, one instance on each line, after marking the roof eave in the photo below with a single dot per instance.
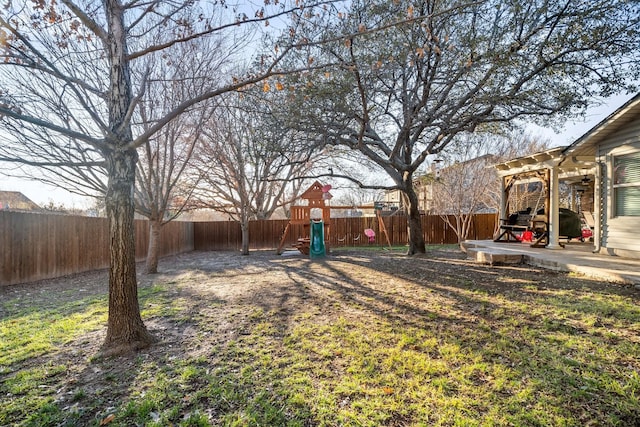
606 126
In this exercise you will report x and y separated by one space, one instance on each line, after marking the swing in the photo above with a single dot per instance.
370 233
523 226
533 230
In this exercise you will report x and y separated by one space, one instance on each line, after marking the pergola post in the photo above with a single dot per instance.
554 208
504 196
597 207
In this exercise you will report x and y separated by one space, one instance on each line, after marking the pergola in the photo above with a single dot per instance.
549 167
590 158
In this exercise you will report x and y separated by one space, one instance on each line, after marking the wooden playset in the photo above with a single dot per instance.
316 196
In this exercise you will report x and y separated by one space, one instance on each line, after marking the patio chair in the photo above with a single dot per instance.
588 225
588 219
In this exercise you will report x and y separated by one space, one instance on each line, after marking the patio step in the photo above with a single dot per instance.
494 256
573 258
469 244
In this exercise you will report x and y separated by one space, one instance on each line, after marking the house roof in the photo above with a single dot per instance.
587 143
579 156
314 192
486 158
15 200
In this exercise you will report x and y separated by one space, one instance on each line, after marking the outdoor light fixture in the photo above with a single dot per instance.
437 161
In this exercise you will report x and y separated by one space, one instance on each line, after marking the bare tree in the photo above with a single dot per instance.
249 167
460 191
68 101
414 75
162 190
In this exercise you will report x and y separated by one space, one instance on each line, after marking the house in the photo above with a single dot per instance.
16 201
454 174
614 146
603 165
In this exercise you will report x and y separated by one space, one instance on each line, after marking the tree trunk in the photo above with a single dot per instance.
460 222
244 226
155 227
416 237
468 219
125 330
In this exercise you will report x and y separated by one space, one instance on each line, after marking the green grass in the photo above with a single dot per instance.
527 357
29 331
32 330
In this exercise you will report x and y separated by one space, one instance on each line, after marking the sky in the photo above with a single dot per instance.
573 129
42 194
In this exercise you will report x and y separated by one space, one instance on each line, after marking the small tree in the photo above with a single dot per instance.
162 190
461 190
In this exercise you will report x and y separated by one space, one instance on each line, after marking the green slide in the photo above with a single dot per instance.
317 249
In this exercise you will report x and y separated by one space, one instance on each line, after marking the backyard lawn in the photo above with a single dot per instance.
362 338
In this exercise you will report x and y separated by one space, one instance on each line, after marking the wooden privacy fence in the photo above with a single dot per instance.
40 246
226 235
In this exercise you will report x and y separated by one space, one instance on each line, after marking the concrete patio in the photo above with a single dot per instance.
576 256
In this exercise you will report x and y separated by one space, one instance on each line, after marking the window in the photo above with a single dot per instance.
626 184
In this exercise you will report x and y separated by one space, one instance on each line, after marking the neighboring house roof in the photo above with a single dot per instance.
484 157
15 200
587 143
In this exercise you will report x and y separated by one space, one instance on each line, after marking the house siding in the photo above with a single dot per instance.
619 235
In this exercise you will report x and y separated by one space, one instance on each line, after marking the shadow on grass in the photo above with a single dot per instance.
556 339
355 339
